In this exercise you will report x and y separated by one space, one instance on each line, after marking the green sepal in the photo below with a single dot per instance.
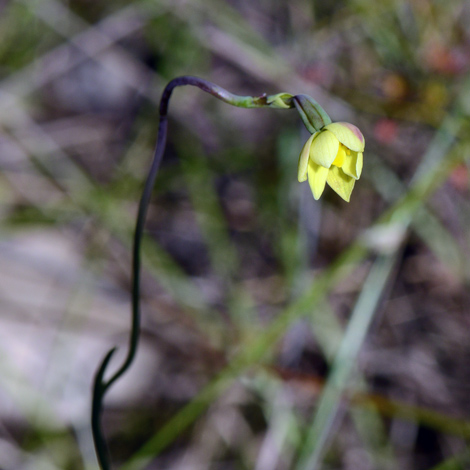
312 114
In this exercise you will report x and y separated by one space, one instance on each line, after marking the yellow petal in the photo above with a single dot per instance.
317 175
359 164
352 165
303 159
348 134
341 156
340 182
324 149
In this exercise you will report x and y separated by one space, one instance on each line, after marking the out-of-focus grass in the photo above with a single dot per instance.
248 283
400 214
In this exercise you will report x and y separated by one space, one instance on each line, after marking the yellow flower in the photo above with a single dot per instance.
332 155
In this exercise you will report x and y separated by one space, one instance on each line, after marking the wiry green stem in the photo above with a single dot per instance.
101 386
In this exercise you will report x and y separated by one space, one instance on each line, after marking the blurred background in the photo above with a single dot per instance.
248 284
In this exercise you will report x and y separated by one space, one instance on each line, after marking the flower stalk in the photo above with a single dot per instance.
101 386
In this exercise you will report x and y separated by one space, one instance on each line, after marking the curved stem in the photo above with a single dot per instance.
100 387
